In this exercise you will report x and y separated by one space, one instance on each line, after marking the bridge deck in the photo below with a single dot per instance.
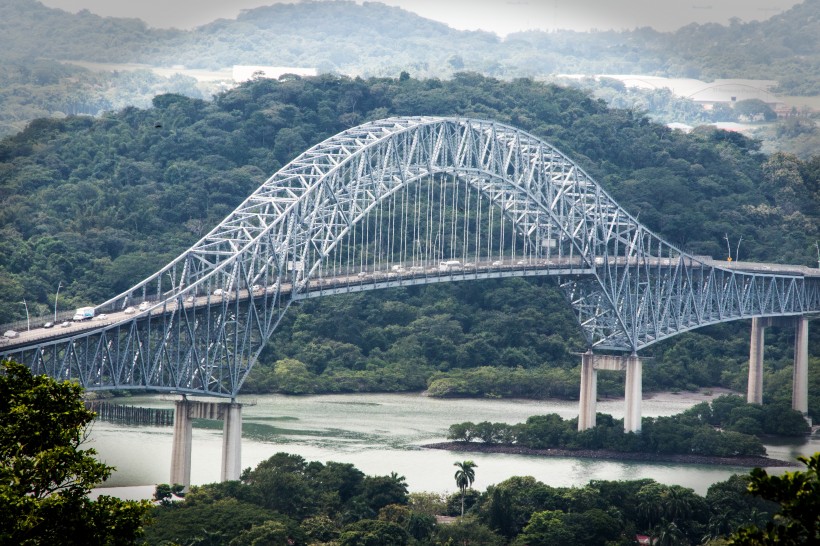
396 276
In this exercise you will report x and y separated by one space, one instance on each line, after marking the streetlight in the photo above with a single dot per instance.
28 321
737 250
55 301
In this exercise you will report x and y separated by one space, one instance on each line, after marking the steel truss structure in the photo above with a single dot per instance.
404 201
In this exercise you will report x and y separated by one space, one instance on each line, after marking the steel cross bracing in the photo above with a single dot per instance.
405 201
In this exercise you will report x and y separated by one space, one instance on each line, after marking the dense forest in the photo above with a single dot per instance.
94 205
287 500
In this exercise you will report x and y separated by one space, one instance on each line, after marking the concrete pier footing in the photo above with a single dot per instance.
590 364
185 411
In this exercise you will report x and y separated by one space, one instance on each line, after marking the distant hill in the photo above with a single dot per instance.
370 39
374 39
29 30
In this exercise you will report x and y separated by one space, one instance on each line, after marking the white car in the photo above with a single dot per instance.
48 325
11 334
65 324
102 316
129 311
218 292
144 305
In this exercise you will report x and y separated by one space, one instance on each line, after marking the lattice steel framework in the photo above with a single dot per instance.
405 201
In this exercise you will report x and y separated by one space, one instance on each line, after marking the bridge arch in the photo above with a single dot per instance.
341 217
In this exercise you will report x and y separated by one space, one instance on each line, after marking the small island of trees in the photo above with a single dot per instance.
725 428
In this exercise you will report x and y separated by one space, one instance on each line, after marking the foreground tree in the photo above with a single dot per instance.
465 476
45 477
798 493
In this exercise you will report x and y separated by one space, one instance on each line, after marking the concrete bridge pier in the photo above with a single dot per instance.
589 392
232 442
800 377
754 389
230 413
590 364
181 447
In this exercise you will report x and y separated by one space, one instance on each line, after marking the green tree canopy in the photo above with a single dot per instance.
45 477
798 493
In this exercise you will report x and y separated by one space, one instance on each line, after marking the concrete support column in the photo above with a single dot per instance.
590 364
800 380
181 449
589 392
754 393
232 442
634 394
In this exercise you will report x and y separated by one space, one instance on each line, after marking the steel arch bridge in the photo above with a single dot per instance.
397 202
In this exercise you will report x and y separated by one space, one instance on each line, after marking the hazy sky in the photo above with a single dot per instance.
499 16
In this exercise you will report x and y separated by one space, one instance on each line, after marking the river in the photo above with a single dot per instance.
382 433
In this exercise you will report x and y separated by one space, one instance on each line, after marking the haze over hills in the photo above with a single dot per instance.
376 39
370 39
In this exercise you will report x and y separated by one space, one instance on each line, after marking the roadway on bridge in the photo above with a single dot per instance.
394 275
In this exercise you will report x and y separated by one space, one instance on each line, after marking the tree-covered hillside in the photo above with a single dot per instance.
98 204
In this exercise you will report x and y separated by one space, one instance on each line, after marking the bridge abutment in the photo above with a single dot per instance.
185 411
633 392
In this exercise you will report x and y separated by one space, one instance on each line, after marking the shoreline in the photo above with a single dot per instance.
750 462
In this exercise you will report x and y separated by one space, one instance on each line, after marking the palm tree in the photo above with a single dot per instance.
465 476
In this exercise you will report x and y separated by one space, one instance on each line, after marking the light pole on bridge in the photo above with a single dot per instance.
55 300
28 320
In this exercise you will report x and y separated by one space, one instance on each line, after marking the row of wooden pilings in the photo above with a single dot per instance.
131 415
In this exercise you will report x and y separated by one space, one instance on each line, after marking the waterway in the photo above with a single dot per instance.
383 433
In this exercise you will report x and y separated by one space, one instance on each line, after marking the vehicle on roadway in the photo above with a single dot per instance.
83 313
10 334
144 305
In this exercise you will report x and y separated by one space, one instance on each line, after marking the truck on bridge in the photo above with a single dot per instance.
83 313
